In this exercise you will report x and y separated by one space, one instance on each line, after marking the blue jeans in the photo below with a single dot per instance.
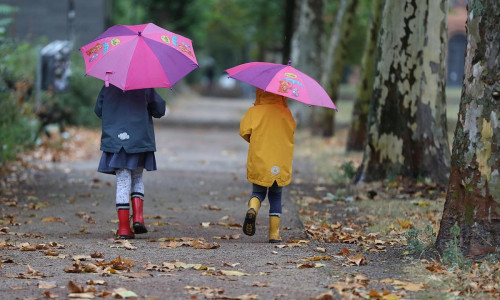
273 194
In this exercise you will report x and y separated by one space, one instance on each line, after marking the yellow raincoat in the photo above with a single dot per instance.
269 127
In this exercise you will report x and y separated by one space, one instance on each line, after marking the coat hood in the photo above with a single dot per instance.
263 97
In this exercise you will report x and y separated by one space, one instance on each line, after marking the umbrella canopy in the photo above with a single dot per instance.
139 56
283 80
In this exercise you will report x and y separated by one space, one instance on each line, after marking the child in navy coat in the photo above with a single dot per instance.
128 145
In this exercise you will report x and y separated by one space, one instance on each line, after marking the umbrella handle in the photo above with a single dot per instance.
106 78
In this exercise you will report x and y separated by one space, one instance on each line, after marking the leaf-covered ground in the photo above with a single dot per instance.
372 241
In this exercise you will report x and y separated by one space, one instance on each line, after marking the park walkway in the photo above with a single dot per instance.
197 199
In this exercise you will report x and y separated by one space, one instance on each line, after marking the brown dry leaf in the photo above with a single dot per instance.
211 207
118 264
46 285
81 257
316 258
230 265
76 268
50 295
437 268
200 244
51 253
325 296
97 255
320 250
232 273
137 275
52 219
260 284
310 265
228 237
91 268
126 244
75 288
28 247
88 295
358 259
413 287
374 293
96 282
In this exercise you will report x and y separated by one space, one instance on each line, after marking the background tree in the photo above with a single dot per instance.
334 60
473 199
407 120
357 130
306 46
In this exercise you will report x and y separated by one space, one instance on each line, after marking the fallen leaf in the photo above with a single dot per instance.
74 288
46 284
260 284
404 224
124 293
96 282
52 219
232 273
50 295
320 250
137 275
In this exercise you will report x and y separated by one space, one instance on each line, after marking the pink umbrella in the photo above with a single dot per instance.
282 80
139 56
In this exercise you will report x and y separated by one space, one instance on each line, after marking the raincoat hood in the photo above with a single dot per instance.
263 97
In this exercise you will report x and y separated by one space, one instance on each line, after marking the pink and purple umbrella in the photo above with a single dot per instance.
283 80
139 56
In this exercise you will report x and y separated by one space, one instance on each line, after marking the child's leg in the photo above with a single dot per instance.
137 183
123 182
274 196
258 195
137 198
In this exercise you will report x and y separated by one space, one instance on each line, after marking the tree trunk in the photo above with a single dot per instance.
334 61
473 199
288 29
306 47
357 131
407 120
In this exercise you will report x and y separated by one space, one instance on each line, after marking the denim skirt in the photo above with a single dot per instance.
110 162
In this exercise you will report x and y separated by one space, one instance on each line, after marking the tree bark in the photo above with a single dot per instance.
473 199
306 47
334 63
407 133
357 130
289 18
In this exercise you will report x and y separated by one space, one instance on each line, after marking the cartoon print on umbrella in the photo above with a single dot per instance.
282 80
139 56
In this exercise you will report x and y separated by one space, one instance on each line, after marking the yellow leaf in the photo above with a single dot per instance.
404 224
232 273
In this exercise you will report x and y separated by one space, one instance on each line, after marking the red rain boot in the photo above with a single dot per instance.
138 217
124 231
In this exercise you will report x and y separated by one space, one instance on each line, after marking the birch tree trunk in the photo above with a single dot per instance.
306 46
407 120
357 131
334 61
473 199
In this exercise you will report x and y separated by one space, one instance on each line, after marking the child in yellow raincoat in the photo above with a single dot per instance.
269 128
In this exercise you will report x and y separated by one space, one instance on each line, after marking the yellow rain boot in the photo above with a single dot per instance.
251 216
274 229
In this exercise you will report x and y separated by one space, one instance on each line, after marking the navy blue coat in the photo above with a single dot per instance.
127 119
